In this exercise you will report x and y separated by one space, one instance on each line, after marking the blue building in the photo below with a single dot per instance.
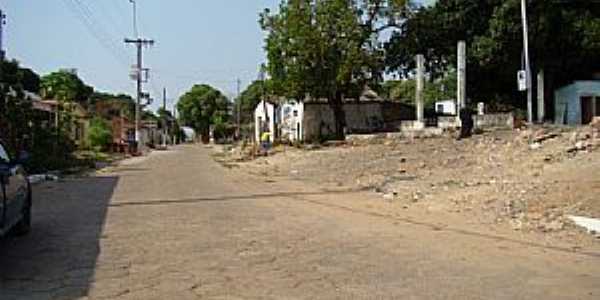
577 103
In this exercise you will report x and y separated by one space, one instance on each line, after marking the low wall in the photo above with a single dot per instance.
319 119
447 122
506 120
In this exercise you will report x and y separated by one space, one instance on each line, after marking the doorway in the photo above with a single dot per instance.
588 109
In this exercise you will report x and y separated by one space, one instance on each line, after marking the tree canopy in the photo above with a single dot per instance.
329 48
65 86
564 42
202 107
249 99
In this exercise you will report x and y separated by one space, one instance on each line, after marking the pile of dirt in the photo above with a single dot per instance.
529 179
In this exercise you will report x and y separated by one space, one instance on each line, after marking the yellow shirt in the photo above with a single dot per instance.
265 137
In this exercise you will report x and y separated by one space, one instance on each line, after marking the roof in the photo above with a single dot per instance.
49 105
583 86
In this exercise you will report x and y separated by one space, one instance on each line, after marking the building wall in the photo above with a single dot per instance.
292 114
448 107
319 119
568 101
260 115
494 121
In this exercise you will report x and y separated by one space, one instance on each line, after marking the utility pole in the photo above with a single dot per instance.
164 119
541 97
420 88
239 108
2 23
139 70
527 62
461 101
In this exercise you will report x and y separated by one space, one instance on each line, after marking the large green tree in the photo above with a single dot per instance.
202 107
16 113
328 48
23 128
564 42
249 99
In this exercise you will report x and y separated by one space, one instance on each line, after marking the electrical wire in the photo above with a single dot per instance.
97 32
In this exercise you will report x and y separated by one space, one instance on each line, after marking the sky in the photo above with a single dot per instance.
196 41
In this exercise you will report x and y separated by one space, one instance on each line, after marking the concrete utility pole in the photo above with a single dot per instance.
2 23
420 87
461 93
527 62
541 97
140 44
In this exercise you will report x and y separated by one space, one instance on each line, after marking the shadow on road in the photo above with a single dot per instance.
58 258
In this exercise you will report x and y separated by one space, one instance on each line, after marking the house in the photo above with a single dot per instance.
314 119
577 103
51 111
123 133
292 115
265 120
446 107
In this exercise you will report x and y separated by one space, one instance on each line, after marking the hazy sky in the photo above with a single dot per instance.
197 41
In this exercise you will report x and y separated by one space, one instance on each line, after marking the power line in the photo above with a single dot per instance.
109 38
97 32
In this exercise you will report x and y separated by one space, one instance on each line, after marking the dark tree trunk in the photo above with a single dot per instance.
337 105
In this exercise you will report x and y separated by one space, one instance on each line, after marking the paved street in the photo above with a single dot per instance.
179 226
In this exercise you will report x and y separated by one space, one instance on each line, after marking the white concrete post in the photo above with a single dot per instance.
420 87
540 96
461 93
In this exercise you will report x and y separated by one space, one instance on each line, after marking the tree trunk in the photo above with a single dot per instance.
337 105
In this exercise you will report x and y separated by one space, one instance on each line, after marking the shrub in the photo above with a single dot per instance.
100 134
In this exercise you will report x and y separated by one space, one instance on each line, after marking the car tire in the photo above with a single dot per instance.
24 226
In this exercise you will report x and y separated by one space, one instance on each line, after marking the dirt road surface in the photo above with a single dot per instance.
179 226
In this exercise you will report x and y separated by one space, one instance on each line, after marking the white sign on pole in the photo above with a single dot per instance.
522 80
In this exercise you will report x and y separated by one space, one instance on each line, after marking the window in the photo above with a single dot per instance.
295 113
440 108
3 155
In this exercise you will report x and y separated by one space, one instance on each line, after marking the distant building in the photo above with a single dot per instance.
189 134
292 115
577 103
446 107
314 119
50 111
265 120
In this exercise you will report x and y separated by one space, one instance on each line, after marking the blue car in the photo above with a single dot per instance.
15 197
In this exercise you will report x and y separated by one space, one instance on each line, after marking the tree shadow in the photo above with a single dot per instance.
58 258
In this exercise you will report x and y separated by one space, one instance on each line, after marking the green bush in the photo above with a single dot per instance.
100 134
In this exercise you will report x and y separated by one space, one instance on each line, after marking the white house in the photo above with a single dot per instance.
292 115
264 120
446 107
